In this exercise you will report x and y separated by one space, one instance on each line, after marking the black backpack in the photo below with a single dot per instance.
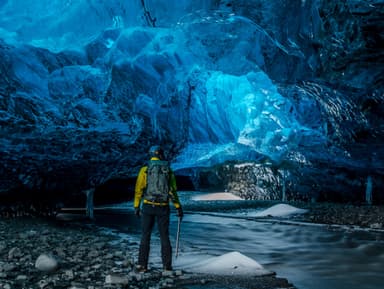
158 176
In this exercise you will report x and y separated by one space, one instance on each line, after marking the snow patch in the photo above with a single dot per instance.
279 210
232 263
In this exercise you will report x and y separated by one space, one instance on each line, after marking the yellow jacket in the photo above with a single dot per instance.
141 184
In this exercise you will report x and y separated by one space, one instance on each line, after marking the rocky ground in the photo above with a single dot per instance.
371 217
45 253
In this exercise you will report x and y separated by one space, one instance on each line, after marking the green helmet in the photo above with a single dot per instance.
156 151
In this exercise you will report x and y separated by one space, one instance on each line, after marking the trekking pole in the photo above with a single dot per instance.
178 238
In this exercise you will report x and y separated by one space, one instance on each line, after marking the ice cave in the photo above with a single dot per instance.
294 88
270 101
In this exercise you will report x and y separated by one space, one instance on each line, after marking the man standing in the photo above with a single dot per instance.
155 187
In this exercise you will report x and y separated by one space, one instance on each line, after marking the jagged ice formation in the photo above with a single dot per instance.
87 87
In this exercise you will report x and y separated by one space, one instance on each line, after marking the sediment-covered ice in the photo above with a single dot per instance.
279 210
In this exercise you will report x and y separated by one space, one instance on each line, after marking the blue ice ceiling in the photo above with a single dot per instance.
211 62
100 81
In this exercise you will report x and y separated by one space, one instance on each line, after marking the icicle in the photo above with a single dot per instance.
368 191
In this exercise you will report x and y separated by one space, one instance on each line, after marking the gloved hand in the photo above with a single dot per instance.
137 212
180 213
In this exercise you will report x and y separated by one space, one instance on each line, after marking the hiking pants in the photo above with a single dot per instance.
150 214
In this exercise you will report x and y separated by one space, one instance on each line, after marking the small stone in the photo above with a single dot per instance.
137 276
84 275
8 267
167 273
69 274
14 253
21 277
76 285
126 263
178 272
46 263
96 266
113 279
169 280
376 226
42 284
93 254
26 259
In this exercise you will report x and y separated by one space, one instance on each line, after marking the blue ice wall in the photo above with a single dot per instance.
100 81
198 72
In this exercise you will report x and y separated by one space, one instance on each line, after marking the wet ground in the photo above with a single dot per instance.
309 255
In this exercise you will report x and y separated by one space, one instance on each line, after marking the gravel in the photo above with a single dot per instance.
43 254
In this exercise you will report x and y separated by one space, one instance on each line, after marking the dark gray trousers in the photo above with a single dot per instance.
149 215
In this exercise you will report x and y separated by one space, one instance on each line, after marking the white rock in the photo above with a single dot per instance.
167 273
46 263
21 277
376 226
113 279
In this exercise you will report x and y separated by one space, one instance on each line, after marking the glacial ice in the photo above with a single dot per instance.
213 82
232 110
279 210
